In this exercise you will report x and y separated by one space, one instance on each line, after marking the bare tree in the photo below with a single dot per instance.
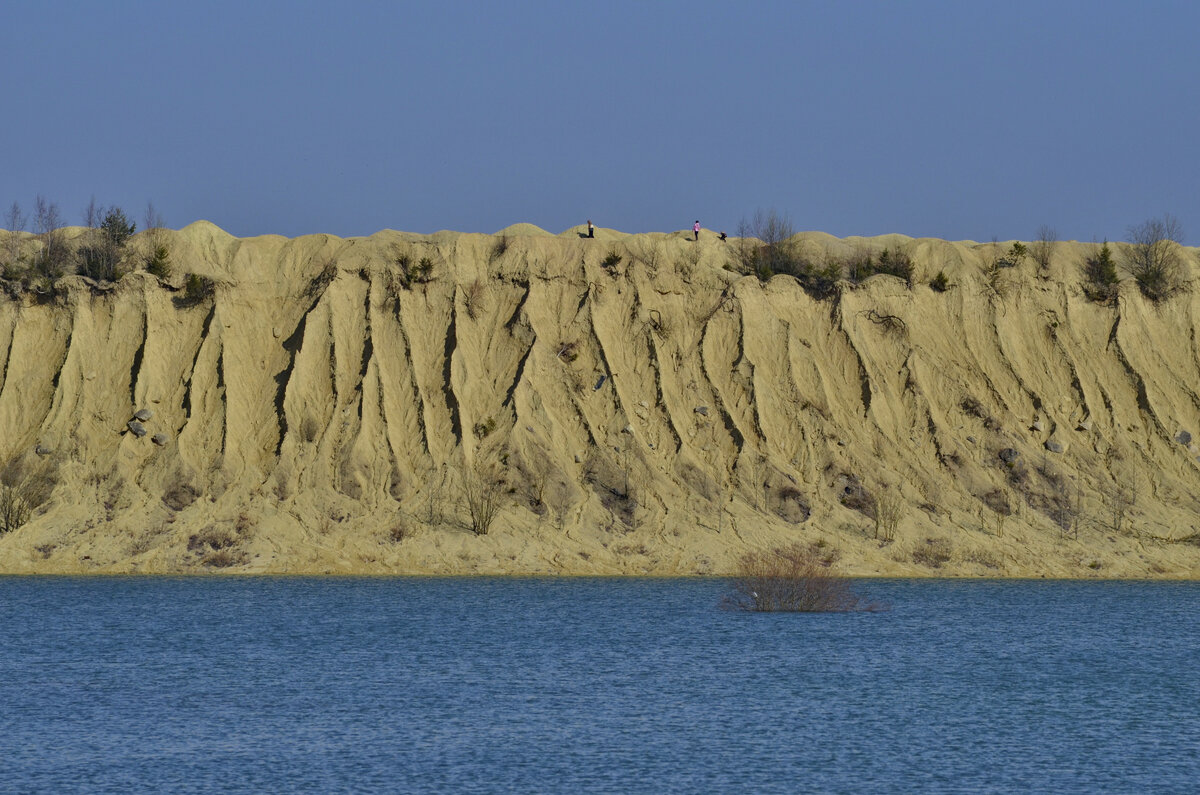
153 221
889 510
92 215
47 223
14 221
1153 257
1044 243
764 243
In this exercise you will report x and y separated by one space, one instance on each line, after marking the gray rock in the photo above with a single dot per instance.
1037 426
1054 446
1008 455
160 439
143 414
1183 437
972 439
702 411
1084 425
136 428
42 450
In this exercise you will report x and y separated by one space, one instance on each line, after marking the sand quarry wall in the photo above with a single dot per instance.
323 412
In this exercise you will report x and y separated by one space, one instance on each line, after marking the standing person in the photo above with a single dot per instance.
696 229
591 229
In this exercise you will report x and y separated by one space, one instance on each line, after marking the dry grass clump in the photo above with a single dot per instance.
983 557
932 552
794 579
217 547
180 495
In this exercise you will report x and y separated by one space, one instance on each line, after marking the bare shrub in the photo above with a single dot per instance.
983 557
856 497
14 509
33 477
180 495
472 295
499 247
25 485
1045 242
790 505
48 223
889 510
482 488
1154 257
795 578
537 472
217 547
971 405
14 222
400 531
310 428
999 509
932 552
1118 498
211 538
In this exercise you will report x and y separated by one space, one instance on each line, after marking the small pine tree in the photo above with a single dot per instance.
159 262
1100 272
116 227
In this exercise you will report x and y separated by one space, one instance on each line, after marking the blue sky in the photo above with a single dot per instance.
962 120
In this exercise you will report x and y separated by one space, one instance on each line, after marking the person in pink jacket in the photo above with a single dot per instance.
696 229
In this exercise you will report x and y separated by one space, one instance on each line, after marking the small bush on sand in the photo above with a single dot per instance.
14 509
1100 276
794 579
196 290
932 552
1154 257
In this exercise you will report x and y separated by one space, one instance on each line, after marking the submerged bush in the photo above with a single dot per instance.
793 579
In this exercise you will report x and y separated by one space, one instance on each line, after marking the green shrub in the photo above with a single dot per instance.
116 227
196 290
1014 257
940 283
1100 274
159 262
612 260
423 272
893 262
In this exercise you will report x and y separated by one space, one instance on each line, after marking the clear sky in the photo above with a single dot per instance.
955 119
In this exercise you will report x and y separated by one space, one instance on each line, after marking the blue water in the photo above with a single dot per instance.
518 685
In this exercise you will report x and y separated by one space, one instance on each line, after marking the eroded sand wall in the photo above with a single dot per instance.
321 411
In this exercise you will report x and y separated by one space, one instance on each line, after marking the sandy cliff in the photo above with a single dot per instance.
326 410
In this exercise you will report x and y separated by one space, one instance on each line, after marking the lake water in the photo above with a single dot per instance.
585 685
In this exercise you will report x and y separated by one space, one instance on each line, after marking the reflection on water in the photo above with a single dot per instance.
591 685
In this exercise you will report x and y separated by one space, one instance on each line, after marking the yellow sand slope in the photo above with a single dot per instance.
322 412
